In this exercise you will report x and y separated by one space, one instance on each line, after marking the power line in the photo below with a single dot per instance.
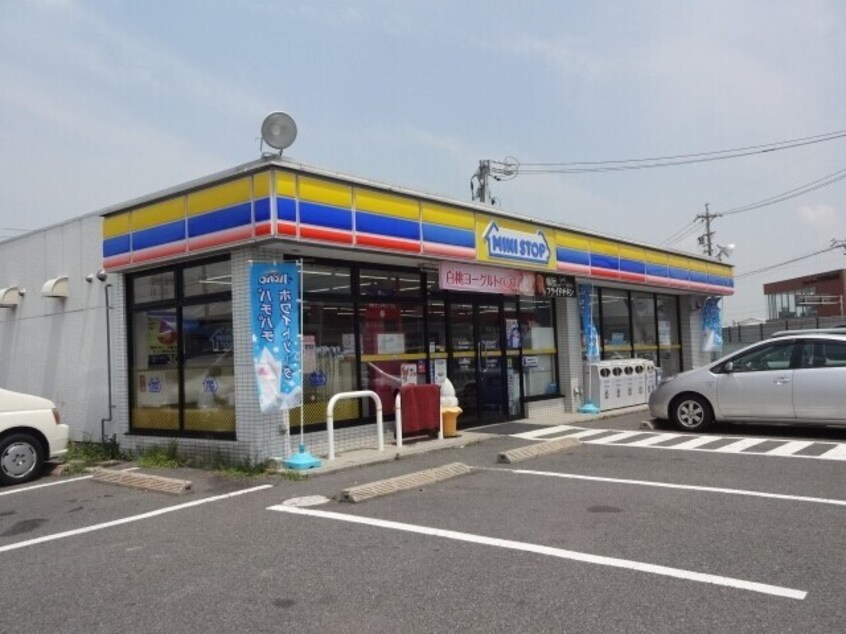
830 179
835 244
578 167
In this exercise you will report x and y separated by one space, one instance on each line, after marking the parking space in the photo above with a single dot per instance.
735 558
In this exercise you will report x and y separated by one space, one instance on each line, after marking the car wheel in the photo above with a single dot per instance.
691 412
21 458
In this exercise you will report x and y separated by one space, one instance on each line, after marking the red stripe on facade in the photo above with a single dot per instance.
117 261
220 238
605 273
286 228
263 228
434 248
368 239
573 268
156 253
632 277
327 235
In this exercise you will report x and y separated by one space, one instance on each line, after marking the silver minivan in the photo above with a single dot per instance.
798 377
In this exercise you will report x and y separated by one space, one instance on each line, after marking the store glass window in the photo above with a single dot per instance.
644 332
329 350
326 279
154 287
208 367
182 369
616 338
393 350
214 277
381 283
669 343
537 330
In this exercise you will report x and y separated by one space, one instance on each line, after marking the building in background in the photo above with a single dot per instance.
818 295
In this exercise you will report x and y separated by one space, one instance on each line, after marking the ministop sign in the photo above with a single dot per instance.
508 244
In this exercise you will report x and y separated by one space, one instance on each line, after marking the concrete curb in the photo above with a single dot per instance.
538 449
404 482
142 481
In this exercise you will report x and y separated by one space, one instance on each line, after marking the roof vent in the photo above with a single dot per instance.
57 287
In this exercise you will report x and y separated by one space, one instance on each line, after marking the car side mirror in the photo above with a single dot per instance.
728 368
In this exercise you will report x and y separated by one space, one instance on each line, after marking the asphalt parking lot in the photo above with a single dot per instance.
594 539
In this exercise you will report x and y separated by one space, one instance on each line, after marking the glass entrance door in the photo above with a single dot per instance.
477 361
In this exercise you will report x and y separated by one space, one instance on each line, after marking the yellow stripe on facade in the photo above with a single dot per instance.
719 269
447 216
325 192
605 247
387 204
116 225
158 214
226 195
654 257
286 184
678 262
631 253
571 241
698 266
261 185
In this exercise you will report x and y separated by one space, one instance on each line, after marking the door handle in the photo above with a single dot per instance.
781 380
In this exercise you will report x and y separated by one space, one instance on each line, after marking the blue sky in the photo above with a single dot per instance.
105 101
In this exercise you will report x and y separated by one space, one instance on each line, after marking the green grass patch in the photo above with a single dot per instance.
168 457
160 457
87 453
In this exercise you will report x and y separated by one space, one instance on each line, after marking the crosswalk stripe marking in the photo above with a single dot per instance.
838 453
696 442
544 431
740 445
787 448
611 439
790 448
653 440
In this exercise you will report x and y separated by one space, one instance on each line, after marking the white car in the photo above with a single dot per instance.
30 433
797 378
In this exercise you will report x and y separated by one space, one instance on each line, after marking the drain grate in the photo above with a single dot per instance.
402 483
142 481
539 449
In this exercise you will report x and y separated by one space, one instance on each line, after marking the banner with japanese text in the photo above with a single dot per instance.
712 325
590 336
275 317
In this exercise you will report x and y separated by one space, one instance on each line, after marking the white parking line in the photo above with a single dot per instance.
57 482
544 431
790 448
615 437
549 551
130 519
653 440
695 442
684 487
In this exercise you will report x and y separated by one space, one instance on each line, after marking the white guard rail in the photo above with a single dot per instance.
330 417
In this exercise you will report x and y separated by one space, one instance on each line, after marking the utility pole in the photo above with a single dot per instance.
480 190
706 239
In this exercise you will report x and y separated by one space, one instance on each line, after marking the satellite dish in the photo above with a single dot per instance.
278 130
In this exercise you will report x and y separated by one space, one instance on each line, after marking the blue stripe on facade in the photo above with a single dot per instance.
449 235
572 256
632 266
679 274
227 218
286 209
116 245
657 270
261 209
387 226
601 261
696 276
157 236
325 216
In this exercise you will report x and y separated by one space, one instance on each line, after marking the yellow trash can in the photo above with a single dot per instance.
450 415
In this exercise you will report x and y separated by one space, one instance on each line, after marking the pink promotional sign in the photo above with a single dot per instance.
455 276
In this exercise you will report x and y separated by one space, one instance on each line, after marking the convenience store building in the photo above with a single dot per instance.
398 287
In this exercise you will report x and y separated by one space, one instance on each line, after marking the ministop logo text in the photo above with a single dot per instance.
508 244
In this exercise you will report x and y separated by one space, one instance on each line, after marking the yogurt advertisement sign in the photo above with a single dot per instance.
504 241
